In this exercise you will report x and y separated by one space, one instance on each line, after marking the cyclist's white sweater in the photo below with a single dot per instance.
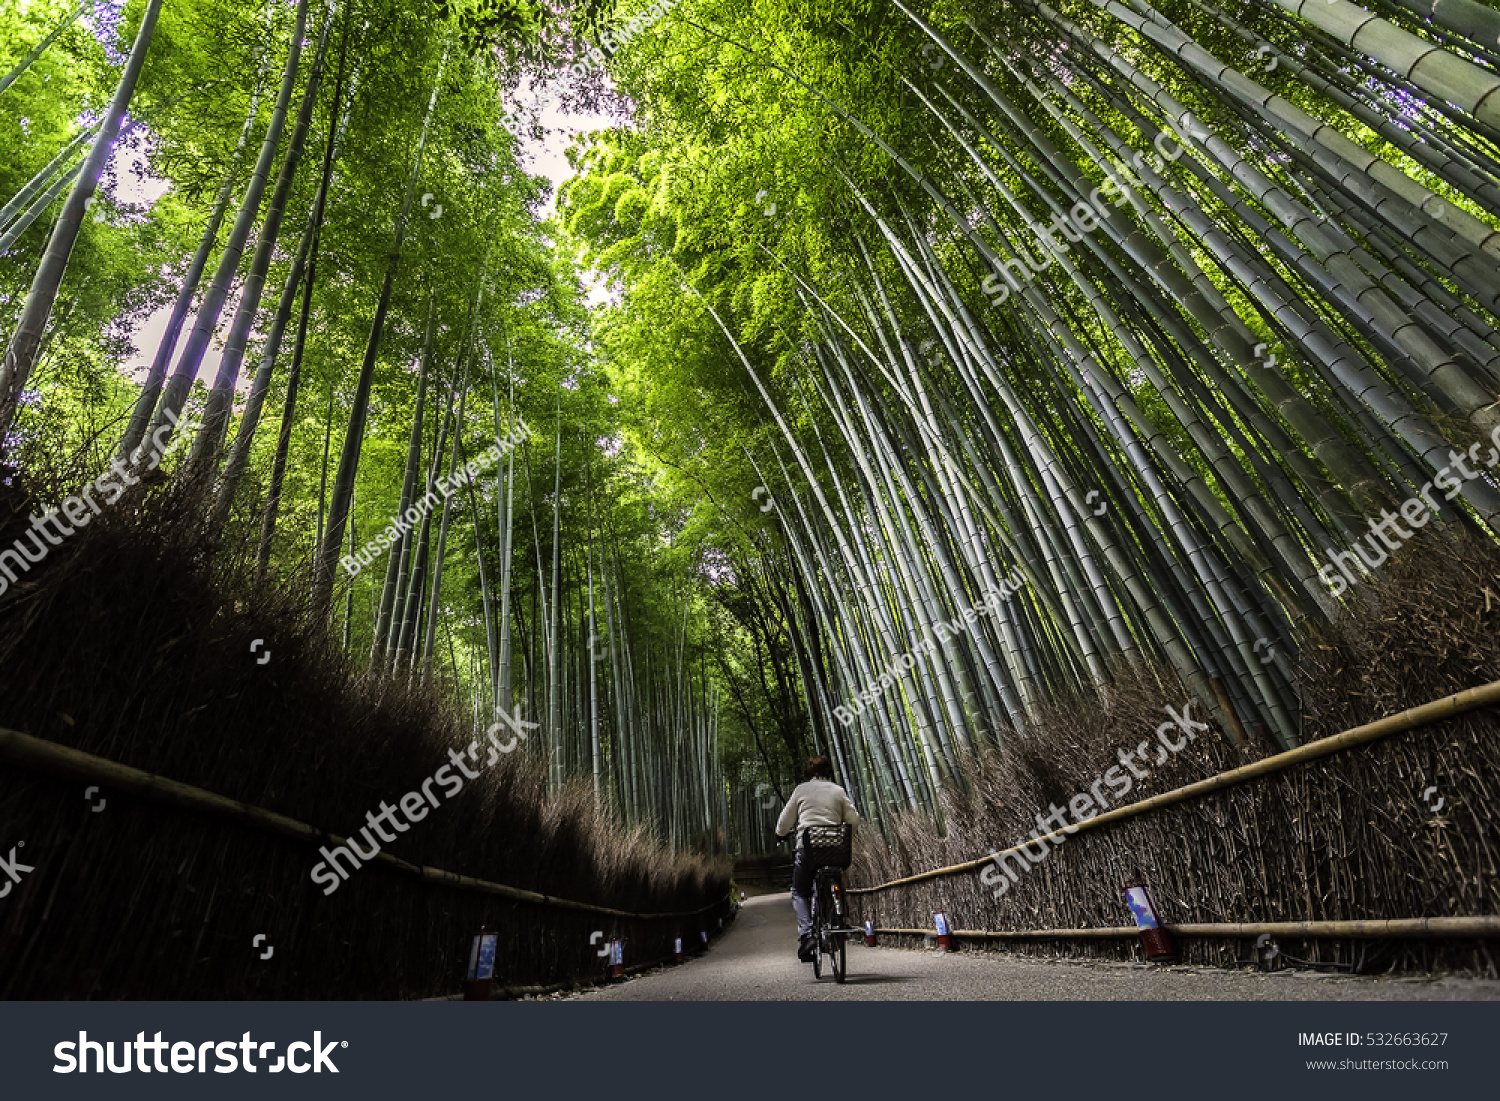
816 803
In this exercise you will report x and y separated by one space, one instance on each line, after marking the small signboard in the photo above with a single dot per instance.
1156 938
482 956
944 933
1140 907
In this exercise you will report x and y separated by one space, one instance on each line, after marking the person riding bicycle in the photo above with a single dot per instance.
818 802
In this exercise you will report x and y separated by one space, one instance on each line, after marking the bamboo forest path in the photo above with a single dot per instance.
1052 421
755 961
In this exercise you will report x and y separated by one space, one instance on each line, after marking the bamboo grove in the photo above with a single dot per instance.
965 357
1164 309
315 208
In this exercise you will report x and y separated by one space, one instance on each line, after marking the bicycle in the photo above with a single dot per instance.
830 849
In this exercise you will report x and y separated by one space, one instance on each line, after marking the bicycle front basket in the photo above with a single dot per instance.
828 846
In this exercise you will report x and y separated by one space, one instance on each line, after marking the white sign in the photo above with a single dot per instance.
1140 907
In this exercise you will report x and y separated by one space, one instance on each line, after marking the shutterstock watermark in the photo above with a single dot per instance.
1087 214
1387 535
941 633
73 1057
392 532
612 41
415 805
13 868
80 508
1087 804
1084 217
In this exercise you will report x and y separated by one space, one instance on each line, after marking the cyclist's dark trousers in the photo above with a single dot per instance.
802 888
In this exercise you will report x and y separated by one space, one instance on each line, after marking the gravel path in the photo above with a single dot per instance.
756 961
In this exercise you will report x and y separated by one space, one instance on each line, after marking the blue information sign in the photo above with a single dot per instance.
1140 907
482 956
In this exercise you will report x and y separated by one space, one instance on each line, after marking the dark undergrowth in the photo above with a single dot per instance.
1357 835
132 641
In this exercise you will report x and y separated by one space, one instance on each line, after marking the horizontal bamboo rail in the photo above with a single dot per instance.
1460 703
1409 928
41 755
1020 934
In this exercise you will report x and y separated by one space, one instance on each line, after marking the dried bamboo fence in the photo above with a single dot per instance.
129 648
649 933
1332 840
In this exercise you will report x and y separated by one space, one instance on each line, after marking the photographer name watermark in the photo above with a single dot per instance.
402 524
960 623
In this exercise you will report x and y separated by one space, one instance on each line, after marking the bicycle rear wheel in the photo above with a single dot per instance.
840 940
817 932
